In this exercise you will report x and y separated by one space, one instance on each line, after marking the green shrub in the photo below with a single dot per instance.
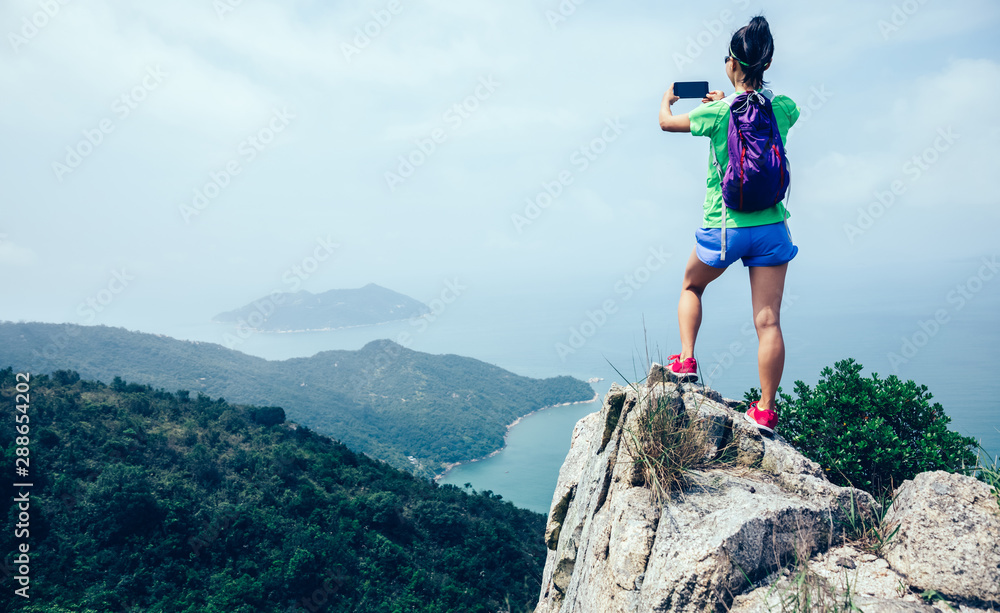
870 433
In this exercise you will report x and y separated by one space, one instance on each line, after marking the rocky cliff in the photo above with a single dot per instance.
751 525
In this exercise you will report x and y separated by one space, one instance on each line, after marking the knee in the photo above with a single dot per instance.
766 320
689 286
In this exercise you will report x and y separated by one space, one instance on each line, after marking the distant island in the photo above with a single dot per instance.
416 411
338 308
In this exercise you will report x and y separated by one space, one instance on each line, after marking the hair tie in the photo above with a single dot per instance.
733 55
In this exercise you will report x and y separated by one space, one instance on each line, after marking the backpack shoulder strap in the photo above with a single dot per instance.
715 160
729 100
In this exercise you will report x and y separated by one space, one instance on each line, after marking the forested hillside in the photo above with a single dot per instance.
146 500
384 400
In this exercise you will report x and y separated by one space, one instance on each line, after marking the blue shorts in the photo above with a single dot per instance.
768 245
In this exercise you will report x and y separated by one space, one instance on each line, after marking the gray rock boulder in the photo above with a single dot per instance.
617 545
949 536
834 580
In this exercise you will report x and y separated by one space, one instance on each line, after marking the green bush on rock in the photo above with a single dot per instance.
870 433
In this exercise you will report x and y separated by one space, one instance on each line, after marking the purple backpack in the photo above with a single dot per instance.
756 177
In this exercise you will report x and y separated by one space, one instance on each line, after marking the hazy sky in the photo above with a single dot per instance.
186 157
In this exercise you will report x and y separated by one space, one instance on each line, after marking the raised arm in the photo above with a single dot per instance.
668 121
681 123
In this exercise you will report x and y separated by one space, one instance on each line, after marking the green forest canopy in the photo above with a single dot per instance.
146 500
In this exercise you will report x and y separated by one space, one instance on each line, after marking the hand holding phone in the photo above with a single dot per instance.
714 96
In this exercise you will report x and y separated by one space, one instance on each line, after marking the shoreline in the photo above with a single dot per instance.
449 466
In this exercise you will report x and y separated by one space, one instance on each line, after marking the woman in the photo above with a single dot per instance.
760 239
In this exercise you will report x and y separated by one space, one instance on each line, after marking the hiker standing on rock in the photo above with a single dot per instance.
747 179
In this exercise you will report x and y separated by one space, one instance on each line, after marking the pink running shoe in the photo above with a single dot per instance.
764 419
685 370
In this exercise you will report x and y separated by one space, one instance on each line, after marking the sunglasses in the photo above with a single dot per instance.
729 57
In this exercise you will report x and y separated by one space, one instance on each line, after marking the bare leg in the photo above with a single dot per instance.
767 285
696 277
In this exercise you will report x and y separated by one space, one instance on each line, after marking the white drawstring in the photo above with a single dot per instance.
723 233
788 196
756 96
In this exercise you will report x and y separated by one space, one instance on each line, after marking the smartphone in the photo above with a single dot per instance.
691 89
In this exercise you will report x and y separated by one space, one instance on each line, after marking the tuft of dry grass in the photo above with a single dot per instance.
800 589
867 529
988 471
804 591
666 445
794 587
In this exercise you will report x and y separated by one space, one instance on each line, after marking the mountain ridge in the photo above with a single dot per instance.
385 400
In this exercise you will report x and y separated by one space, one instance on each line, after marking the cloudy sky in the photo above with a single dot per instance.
190 156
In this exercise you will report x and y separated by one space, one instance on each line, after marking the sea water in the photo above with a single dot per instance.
919 331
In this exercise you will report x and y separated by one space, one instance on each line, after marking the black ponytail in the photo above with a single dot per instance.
753 46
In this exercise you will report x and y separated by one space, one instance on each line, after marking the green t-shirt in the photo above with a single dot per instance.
711 119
